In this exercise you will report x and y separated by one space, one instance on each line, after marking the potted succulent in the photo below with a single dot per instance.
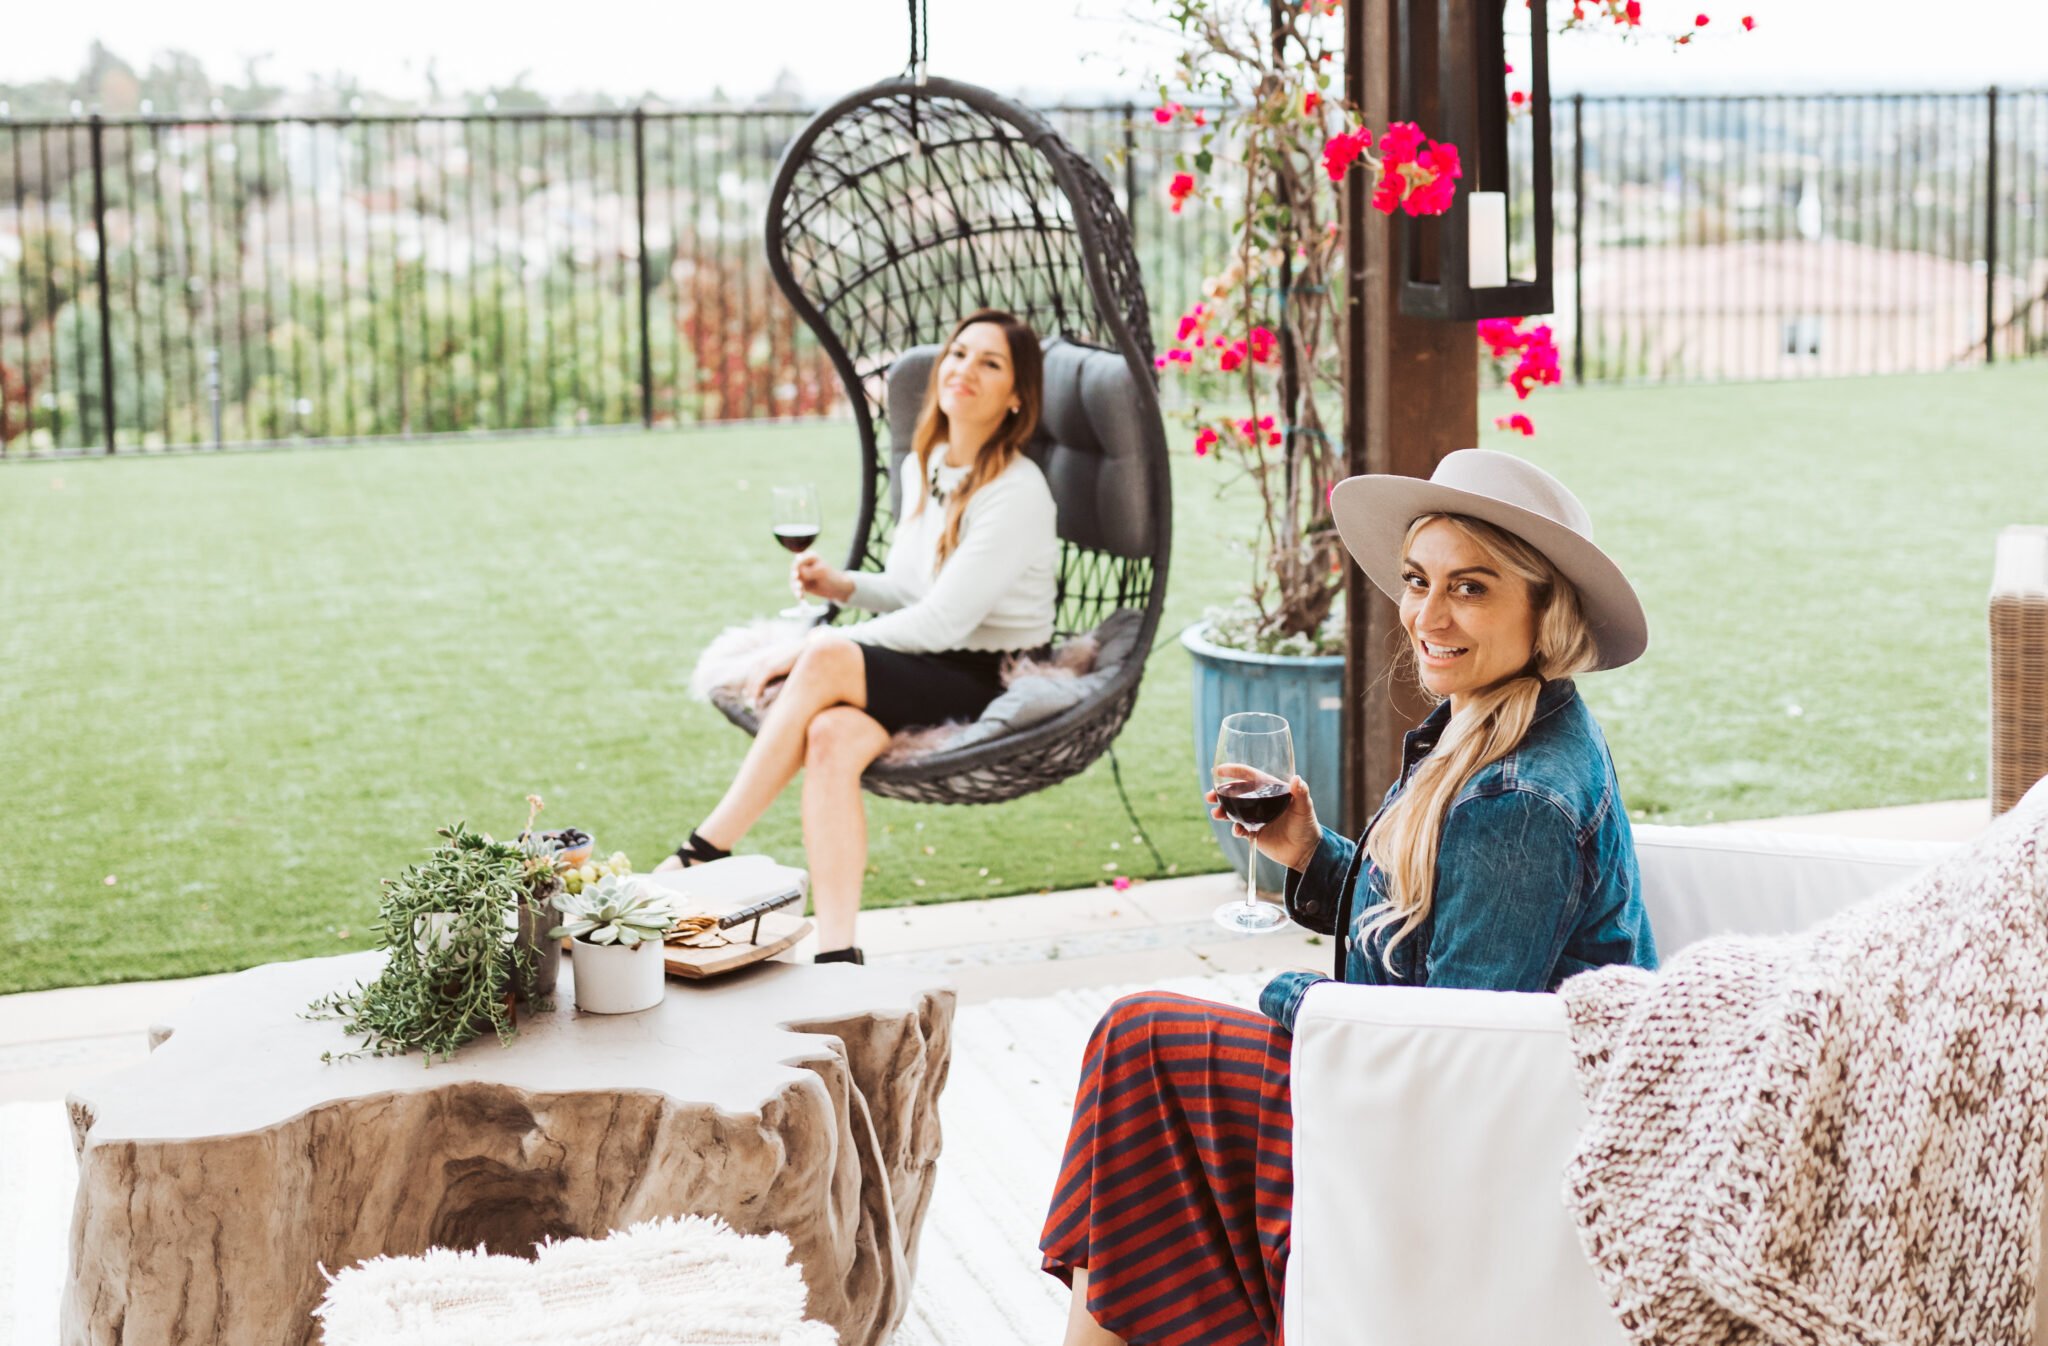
617 923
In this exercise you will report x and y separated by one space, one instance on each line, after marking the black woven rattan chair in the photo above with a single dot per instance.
895 212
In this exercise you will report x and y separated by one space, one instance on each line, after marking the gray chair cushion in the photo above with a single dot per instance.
1092 441
1033 700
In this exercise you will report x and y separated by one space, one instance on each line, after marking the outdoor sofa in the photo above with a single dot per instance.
1455 1233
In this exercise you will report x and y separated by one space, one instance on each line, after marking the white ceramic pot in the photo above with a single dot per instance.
613 979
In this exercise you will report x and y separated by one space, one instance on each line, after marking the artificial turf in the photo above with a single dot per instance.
237 689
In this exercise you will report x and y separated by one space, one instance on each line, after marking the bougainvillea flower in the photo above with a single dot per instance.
1699 20
1231 357
1200 120
1748 23
1264 345
1510 68
1205 441
1433 197
1517 98
1400 143
1121 882
1518 423
1386 195
1502 336
1166 112
1632 13
1310 101
1181 188
1192 322
1340 151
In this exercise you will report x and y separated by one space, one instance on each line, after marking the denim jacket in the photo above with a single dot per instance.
1535 876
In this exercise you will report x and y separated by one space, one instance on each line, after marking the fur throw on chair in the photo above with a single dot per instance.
1037 689
1836 1137
684 1282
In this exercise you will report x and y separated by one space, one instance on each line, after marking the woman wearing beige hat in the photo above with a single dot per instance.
1501 859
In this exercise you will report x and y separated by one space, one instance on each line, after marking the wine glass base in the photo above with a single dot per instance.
1251 918
804 612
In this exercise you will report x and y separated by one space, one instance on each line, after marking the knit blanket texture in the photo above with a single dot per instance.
689 1281
1831 1138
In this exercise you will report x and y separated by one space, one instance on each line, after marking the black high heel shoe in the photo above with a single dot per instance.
698 851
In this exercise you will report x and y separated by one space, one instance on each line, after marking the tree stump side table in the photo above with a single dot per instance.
217 1178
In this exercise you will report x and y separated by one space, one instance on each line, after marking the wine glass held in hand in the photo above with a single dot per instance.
796 528
1254 763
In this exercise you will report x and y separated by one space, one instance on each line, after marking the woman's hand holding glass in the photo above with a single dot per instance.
810 574
1292 837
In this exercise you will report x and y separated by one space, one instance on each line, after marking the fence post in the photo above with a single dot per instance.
99 228
1131 170
646 279
1579 238
1991 224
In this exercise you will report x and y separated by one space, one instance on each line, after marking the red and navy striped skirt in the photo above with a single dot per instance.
1177 1189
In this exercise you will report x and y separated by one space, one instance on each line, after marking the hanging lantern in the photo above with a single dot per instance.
1450 78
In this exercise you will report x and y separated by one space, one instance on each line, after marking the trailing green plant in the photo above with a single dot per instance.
617 909
447 928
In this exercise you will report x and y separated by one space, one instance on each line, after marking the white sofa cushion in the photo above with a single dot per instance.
1700 881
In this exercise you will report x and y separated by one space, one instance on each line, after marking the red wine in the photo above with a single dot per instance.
795 537
1252 803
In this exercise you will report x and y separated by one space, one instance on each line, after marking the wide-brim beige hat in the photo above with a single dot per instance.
1373 514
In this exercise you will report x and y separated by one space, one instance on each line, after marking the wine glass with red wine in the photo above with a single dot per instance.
1254 763
796 528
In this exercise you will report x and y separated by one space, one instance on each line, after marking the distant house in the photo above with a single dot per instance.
1792 308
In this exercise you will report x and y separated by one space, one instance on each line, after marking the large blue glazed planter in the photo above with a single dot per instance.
1307 690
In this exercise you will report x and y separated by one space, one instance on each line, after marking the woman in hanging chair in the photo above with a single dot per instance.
970 581
1501 859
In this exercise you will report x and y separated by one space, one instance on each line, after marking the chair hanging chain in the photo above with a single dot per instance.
920 38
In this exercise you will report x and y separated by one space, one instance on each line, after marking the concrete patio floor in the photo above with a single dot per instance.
996 948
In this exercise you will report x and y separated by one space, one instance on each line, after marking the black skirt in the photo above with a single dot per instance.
906 691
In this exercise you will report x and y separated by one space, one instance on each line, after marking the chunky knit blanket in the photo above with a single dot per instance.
1834 1138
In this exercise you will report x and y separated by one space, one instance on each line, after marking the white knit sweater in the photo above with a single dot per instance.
998 588
1834 1138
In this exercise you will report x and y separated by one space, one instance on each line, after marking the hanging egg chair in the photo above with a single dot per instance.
894 213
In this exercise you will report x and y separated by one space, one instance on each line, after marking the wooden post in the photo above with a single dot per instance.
1411 396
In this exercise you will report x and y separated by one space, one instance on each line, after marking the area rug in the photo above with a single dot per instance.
1005 1114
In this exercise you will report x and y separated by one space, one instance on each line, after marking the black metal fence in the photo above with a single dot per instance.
231 280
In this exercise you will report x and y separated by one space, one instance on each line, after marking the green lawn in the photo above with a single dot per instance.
237 690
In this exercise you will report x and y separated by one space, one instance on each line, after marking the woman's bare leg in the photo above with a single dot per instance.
1082 1329
839 745
830 672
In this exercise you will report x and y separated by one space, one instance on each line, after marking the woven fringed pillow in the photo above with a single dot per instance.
683 1282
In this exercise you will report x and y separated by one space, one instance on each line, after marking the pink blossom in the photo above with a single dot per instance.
1340 151
1700 21
1182 187
1120 883
1519 423
1166 112
1400 143
1310 101
1263 345
1192 322
1633 13
1231 358
1748 23
1386 196
1205 440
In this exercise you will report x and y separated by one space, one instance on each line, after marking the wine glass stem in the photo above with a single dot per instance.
1251 874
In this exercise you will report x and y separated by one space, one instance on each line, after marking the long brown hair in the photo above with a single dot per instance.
1027 372
1404 844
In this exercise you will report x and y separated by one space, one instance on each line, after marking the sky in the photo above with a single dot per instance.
684 49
